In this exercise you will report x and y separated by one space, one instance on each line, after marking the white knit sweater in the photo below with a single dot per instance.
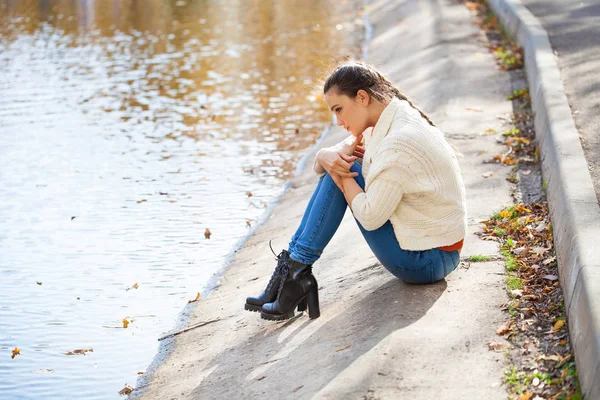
413 180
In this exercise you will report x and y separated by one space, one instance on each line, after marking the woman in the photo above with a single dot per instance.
407 197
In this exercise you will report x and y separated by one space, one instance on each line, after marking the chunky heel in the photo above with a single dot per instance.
302 305
313 304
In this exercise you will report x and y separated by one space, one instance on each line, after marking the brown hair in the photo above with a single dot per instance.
349 78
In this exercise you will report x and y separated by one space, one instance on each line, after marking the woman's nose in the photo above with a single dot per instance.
340 122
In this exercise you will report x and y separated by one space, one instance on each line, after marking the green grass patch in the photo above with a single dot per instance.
513 282
479 258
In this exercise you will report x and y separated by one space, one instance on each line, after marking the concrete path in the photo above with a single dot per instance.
377 338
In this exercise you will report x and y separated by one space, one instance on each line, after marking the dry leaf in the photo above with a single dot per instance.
559 324
134 286
16 351
562 343
493 345
39 283
249 194
248 223
550 277
142 201
343 348
126 390
503 329
140 372
261 378
196 299
539 250
525 396
549 260
79 352
125 323
207 233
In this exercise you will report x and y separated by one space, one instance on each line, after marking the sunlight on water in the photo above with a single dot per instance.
127 129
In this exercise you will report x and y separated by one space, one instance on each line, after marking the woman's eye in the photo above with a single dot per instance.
337 110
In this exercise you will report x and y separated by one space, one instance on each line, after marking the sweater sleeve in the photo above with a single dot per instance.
374 207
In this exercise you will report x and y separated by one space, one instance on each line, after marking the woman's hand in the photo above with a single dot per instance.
337 163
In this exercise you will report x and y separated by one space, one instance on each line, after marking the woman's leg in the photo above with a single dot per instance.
321 219
426 266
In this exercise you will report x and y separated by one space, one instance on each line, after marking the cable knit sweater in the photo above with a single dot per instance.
413 180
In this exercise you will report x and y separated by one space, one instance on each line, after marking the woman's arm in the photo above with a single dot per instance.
351 189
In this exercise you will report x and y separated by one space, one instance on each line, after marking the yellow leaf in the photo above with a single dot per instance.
207 233
525 396
505 214
15 352
196 299
559 324
125 323
343 348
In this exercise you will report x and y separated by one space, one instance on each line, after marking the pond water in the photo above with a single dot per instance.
129 130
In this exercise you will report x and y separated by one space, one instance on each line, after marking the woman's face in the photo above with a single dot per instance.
352 114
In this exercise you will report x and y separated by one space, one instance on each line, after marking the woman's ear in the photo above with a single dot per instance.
363 97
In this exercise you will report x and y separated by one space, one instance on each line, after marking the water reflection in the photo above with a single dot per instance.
127 128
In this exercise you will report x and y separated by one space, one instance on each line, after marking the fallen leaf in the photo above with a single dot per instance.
502 329
142 201
343 348
539 251
562 342
126 390
296 389
140 372
493 345
125 323
196 299
72 218
78 298
526 172
549 260
559 324
16 351
550 277
249 194
517 292
487 174
207 233
79 352
505 214
134 286
39 283
248 223
526 396
261 378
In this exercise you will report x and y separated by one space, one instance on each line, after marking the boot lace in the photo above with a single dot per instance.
281 263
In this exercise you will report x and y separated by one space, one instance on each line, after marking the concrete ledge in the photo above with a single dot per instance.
572 201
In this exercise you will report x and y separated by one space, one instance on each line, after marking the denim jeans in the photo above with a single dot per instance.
323 216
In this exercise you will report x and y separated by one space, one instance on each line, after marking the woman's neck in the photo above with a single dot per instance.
376 108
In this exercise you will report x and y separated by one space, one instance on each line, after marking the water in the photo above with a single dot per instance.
127 129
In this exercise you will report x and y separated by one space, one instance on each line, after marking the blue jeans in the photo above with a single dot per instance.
323 216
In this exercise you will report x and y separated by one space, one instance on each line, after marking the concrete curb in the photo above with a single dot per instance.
572 201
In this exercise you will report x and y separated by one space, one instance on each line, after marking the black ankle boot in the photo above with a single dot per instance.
270 293
298 288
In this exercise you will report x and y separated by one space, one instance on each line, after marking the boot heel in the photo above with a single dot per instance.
313 304
302 305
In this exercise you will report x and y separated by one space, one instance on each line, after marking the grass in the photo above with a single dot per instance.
513 282
510 261
479 258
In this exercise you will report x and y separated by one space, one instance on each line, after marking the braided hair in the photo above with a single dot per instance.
349 78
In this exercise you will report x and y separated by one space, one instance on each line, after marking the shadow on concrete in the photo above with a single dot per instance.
254 367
